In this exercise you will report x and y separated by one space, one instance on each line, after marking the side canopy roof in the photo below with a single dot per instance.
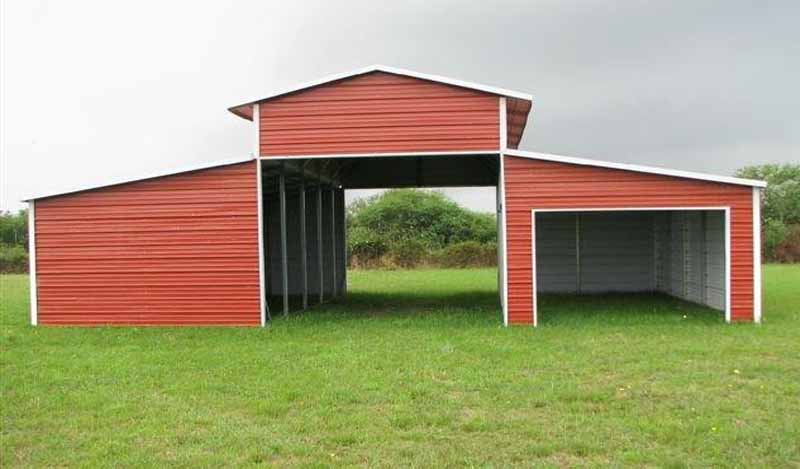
245 110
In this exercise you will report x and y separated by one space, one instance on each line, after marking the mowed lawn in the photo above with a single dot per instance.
414 369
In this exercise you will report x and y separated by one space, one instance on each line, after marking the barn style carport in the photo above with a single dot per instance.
239 241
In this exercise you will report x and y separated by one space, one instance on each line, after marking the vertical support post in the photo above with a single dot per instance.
333 240
32 260
756 255
284 253
319 243
303 240
578 253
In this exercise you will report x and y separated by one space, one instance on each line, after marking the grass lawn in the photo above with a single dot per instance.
414 370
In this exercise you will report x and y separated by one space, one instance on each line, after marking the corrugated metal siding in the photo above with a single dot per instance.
379 113
616 252
516 117
715 260
556 265
541 184
175 250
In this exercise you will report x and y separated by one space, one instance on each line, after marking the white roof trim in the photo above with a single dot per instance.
395 71
115 182
636 168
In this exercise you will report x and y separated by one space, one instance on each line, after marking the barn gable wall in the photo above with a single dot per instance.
380 113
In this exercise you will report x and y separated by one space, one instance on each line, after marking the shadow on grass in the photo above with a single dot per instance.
622 309
573 311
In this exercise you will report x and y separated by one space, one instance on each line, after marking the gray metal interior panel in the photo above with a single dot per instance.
696 259
677 255
341 243
616 252
556 263
663 250
327 239
293 247
312 235
715 259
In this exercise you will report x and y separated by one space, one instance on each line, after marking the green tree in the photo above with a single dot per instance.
14 228
781 199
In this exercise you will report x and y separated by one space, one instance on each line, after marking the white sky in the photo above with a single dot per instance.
99 90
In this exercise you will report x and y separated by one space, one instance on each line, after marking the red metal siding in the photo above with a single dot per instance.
534 184
516 117
175 250
379 113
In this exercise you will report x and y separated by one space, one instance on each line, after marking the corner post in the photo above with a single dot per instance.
32 260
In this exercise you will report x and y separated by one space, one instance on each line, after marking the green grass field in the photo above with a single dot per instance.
414 370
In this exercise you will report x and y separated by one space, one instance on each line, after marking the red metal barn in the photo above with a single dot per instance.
235 242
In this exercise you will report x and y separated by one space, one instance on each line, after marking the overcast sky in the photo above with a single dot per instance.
99 90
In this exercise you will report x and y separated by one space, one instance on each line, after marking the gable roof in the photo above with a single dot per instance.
153 175
243 110
635 167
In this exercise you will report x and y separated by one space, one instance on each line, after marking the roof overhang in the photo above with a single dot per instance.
636 168
244 110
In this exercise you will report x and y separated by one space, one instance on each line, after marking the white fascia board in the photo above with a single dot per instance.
394 71
636 168
381 155
116 182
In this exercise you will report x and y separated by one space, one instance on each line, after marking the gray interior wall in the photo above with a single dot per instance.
616 252
327 239
556 261
341 243
715 259
293 246
272 248
312 251
680 253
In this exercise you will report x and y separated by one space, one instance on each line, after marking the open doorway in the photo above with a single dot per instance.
674 251
304 232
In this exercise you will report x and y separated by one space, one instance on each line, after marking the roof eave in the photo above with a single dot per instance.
636 168
385 69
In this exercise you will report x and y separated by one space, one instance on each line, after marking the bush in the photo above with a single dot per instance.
408 253
467 254
365 248
788 251
775 233
13 258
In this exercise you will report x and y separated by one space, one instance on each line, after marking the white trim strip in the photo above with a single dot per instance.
725 209
632 209
34 293
261 270
382 155
727 264
756 255
635 168
534 305
502 180
116 182
393 71
262 293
